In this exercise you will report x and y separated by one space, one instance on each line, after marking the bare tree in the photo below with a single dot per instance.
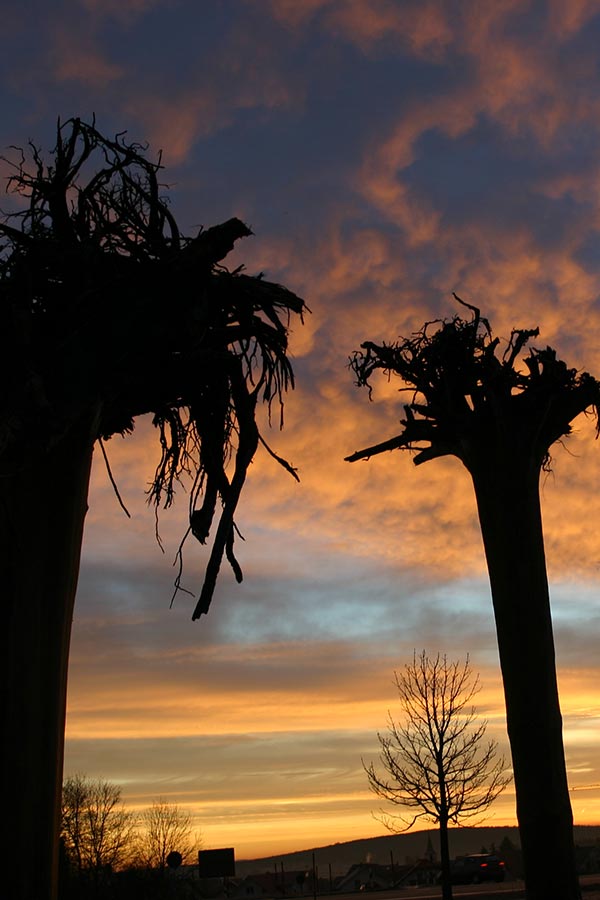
108 312
99 833
500 413
166 828
435 762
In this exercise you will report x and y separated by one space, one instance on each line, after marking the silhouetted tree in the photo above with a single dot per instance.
99 834
500 414
108 312
435 761
166 827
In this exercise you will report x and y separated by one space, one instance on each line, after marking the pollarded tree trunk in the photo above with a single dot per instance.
107 307
42 510
478 399
108 311
507 491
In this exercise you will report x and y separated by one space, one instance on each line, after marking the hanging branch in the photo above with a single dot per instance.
114 313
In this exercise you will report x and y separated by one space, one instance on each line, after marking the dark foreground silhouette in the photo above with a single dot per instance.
500 414
108 313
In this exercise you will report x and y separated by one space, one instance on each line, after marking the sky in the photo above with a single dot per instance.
384 154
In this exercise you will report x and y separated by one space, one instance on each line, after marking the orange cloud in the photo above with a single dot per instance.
174 119
419 27
75 58
568 18
173 125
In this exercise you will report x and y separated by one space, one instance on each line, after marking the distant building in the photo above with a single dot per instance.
417 874
430 853
367 877
373 877
278 884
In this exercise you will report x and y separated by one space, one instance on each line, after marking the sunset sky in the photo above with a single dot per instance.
385 153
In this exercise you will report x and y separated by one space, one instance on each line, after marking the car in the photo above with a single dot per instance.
476 868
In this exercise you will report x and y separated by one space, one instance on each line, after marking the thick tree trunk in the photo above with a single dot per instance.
42 510
507 492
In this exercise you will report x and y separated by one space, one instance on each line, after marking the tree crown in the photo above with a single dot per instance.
469 395
109 312
97 829
434 761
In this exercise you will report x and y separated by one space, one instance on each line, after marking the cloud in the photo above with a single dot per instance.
260 778
568 20
174 124
298 14
77 59
126 11
87 53
420 28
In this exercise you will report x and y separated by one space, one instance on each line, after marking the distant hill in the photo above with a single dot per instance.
397 847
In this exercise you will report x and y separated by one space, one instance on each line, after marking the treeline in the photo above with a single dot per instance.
108 852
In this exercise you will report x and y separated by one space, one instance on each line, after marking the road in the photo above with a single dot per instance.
590 886
506 890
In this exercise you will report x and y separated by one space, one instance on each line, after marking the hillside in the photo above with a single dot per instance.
394 846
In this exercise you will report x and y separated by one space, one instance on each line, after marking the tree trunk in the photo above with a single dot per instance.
507 492
445 859
42 510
